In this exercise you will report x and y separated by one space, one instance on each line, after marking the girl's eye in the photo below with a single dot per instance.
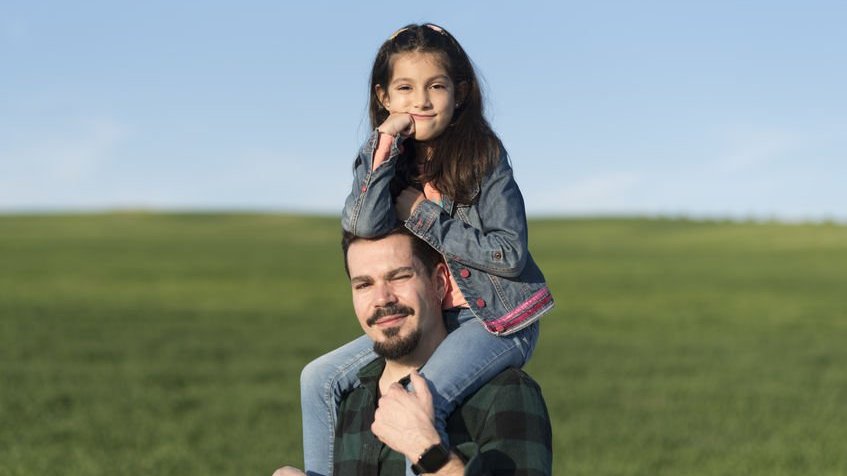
438 86
404 88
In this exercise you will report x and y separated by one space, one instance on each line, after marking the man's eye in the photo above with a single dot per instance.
361 286
402 276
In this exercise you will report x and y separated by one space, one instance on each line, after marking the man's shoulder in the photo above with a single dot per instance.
513 376
511 380
504 427
511 392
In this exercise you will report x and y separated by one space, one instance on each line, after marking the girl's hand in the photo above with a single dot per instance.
398 124
407 201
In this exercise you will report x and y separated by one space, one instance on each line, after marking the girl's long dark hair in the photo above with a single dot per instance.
468 149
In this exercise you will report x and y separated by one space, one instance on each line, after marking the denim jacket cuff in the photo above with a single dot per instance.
369 149
423 217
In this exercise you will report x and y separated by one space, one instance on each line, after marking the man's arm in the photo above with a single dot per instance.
509 427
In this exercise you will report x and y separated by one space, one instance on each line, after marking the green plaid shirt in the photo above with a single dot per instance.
502 429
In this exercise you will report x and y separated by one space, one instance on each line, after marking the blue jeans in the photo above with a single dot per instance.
482 355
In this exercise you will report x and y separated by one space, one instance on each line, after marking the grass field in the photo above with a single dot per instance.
171 344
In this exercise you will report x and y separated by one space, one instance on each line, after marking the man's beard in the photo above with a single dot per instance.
395 347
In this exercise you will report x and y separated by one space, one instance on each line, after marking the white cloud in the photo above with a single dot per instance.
49 168
254 177
598 193
80 156
266 177
747 149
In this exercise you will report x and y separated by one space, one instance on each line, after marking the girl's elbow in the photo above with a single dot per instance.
363 227
509 264
355 220
368 232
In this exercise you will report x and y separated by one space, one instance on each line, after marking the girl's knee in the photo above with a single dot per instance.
526 341
314 374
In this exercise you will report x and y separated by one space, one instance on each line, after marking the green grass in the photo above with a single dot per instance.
172 344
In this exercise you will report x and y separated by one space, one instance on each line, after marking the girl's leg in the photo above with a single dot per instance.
323 383
469 357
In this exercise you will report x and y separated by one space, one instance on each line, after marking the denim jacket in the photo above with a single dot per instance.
484 243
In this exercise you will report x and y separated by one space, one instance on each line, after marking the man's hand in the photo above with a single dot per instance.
398 125
288 471
405 421
407 201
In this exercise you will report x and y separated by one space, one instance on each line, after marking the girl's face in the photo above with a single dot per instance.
419 86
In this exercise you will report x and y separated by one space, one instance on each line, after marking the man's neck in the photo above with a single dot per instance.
393 372
396 369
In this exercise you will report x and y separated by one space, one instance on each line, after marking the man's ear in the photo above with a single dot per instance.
442 280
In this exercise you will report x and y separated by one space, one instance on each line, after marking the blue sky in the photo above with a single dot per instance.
712 108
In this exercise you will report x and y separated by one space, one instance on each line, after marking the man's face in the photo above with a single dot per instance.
396 301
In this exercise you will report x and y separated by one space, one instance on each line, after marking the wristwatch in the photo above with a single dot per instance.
433 459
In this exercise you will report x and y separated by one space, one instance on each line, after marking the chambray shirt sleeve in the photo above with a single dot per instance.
515 437
369 208
499 246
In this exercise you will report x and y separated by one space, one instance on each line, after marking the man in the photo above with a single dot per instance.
398 283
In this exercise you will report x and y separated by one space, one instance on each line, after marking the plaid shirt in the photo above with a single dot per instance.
502 429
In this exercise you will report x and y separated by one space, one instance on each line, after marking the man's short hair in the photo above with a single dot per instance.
428 255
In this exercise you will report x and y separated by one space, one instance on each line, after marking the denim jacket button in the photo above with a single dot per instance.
498 255
480 303
464 273
364 188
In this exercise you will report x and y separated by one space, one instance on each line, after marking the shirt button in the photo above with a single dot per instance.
464 273
480 303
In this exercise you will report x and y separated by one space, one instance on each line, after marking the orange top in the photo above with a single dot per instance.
454 297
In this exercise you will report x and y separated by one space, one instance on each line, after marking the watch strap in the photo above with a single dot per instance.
432 459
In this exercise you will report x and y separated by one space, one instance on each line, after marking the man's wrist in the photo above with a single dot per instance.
421 443
455 466
432 459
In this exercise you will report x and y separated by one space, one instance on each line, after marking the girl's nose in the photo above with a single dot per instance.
422 99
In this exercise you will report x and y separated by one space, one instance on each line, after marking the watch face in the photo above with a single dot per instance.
432 459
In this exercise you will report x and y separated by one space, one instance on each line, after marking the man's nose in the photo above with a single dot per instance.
385 295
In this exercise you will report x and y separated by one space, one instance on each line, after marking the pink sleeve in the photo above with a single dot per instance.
383 149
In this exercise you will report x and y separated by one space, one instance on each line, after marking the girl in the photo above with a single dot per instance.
433 164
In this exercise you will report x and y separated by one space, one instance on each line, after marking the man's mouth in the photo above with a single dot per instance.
389 321
389 316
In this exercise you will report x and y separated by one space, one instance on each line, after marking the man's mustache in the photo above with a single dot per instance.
391 309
